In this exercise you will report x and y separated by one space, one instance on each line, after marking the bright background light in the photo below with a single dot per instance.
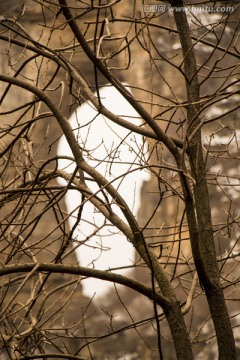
113 151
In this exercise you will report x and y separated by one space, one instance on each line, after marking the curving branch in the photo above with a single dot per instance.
88 94
32 268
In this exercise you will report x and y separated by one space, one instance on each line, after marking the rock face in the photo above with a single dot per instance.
37 238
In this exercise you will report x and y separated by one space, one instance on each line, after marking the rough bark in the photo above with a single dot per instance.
197 206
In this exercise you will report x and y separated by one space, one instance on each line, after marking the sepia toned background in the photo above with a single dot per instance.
167 231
